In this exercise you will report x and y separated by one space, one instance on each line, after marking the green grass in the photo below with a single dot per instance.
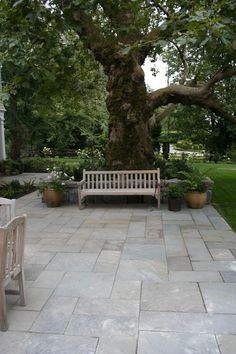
224 192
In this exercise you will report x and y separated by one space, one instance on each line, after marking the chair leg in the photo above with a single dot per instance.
21 280
3 310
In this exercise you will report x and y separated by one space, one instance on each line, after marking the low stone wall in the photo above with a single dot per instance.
72 190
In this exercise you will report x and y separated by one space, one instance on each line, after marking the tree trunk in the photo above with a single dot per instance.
166 150
129 144
15 129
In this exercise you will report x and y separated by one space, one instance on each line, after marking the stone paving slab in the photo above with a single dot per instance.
102 326
180 297
219 297
31 343
98 285
55 315
227 344
192 276
116 345
178 343
187 322
124 279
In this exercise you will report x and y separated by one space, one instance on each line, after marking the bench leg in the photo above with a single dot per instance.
81 202
158 198
3 309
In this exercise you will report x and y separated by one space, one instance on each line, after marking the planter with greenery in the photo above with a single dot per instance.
53 187
175 194
196 185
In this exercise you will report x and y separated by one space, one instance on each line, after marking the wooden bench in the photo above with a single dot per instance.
12 237
140 182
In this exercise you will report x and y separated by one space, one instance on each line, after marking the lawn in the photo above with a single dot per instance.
224 192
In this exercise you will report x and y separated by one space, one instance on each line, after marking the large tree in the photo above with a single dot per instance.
122 33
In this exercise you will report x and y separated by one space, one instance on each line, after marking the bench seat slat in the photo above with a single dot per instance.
125 191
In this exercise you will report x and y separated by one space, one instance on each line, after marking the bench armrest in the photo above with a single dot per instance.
81 183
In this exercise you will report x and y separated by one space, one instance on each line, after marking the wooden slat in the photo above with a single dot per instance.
144 180
154 180
131 181
105 187
92 181
88 181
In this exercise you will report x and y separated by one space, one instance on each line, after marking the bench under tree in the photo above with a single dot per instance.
133 182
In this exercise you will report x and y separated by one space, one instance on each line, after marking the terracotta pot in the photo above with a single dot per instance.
53 198
174 204
196 200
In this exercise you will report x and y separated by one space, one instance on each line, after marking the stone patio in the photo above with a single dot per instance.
124 279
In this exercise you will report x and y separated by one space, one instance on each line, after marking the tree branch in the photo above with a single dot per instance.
159 116
220 75
162 8
188 96
86 28
122 19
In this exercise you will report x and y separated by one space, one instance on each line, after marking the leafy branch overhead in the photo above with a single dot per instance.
196 39
116 29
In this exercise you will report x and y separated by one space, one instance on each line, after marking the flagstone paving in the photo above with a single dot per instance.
124 279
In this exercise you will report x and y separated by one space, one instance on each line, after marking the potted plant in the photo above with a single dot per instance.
175 194
196 186
53 187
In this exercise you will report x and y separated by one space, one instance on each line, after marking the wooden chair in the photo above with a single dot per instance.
7 210
12 237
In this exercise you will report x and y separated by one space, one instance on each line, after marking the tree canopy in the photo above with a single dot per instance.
196 38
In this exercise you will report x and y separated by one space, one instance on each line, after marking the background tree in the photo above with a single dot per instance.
50 78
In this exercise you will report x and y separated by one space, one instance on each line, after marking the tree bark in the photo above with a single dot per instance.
129 144
15 129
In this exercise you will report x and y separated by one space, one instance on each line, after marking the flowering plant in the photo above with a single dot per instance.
55 180
47 151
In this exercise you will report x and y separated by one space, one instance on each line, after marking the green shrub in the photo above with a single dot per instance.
194 180
28 186
15 189
170 168
7 191
10 167
173 167
175 191
15 184
160 162
232 155
39 164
